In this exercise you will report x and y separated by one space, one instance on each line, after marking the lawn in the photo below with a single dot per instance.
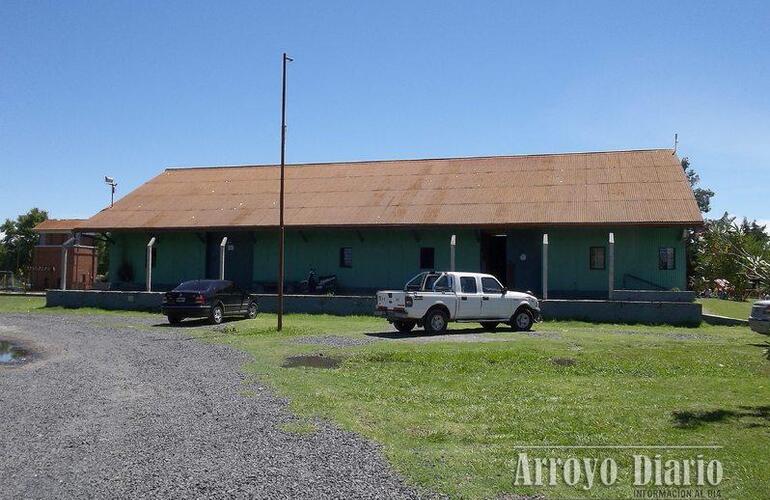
453 416
729 308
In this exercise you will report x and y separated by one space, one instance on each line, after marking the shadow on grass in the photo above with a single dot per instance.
693 419
422 333
196 323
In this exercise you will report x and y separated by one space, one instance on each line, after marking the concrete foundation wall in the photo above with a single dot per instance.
124 301
319 304
674 313
603 311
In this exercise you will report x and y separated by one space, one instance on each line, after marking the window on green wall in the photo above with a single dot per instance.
667 258
597 258
346 257
427 258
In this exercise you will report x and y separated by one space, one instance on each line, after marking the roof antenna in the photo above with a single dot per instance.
676 143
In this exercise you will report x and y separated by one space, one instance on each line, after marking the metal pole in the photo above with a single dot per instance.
65 249
112 196
611 284
452 246
64 268
150 244
545 266
222 248
281 236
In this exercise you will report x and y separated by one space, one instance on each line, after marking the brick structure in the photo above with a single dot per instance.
48 255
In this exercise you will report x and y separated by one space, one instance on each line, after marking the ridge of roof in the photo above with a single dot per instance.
358 162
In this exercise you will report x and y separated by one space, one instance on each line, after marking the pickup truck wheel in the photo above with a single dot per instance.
436 321
489 326
522 320
404 326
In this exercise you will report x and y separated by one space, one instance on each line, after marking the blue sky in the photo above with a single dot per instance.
129 88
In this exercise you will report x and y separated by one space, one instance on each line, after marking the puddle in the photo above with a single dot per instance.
11 354
312 361
564 361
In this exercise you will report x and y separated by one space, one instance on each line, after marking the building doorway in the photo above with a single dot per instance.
239 257
494 256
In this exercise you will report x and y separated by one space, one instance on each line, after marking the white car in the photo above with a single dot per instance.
433 299
759 321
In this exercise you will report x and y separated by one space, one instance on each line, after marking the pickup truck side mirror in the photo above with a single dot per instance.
503 291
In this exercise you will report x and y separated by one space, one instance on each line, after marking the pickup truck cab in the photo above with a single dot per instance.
433 299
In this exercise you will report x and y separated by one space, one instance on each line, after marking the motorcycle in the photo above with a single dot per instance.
322 285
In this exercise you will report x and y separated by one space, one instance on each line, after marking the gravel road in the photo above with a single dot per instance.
118 407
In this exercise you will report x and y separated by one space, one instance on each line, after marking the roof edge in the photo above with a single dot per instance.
355 162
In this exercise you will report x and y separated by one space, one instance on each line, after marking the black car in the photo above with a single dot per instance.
212 299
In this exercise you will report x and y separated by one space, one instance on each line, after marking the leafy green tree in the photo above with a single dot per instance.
702 195
735 252
19 239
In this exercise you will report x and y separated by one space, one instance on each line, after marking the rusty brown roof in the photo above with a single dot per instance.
622 187
58 225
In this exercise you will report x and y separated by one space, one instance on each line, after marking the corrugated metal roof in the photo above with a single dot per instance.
621 187
58 225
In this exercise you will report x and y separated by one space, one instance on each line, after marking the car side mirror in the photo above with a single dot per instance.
503 291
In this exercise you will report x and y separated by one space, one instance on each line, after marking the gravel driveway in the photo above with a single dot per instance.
117 407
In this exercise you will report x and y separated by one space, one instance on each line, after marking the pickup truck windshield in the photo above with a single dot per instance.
415 284
421 282
444 284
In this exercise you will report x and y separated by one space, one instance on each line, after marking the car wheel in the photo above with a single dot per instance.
174 320
436 321
522 320
489 326
404 326
217 314
252 310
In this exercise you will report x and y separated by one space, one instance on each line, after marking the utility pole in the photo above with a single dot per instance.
286 59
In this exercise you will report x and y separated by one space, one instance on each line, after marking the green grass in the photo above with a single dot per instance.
729 308
21 303
453 416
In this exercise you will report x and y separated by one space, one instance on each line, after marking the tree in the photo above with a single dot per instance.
702 195
19 239
735 252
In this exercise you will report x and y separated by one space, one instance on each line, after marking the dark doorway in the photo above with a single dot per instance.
493 256
525 252
239 257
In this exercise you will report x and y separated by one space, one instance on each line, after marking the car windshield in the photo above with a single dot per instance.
196 286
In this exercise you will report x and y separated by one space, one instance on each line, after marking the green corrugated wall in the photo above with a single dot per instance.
387 258
636 253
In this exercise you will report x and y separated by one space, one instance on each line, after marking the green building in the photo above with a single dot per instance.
376 224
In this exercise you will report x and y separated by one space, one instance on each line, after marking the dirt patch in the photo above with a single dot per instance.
564 361
312 361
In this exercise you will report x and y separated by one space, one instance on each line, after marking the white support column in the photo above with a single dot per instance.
611 267
545 266
222 248
150 244
64 251
452 246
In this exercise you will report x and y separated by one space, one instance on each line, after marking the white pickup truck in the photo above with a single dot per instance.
433 299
